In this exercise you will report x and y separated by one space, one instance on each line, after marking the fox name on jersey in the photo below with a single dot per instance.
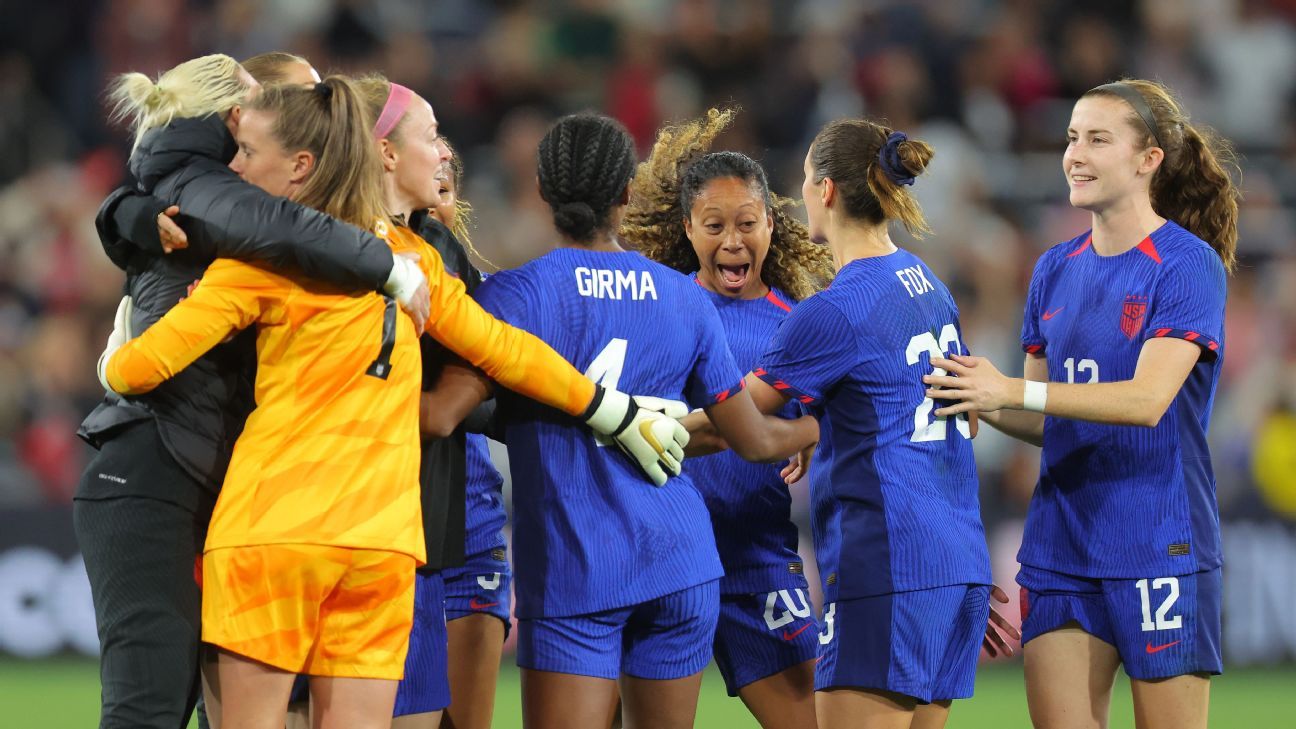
602 283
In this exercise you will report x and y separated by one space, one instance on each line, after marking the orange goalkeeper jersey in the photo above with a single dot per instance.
330 454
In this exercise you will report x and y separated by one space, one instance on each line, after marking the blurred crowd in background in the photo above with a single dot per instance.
989 83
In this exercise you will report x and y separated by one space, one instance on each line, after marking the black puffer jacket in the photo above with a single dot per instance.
443 462
200 411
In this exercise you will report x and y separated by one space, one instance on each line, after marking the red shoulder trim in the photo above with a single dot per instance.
770 297
1149 248
1083 248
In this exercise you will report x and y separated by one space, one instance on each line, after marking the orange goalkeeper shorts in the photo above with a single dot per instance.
319 610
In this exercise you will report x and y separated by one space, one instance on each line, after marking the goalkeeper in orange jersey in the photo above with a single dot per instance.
311 553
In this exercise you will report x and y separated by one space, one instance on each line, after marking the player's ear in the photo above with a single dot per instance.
828 193
625 196
688 227
303 164
1152 159
387 151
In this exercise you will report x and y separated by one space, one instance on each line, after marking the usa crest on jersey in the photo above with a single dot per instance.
1132 314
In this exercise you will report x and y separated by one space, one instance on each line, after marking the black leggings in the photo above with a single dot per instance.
139 554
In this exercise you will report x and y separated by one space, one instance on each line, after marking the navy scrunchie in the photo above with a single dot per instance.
889 159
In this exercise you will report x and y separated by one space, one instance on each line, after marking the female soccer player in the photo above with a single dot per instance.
1124 326
907 596
478 595
712 215
142 507
613 580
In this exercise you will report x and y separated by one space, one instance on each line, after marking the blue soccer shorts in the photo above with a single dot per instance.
921 643
1160 626
483 585
426 686
664 638
762 634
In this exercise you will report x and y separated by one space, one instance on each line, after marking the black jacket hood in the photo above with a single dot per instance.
166 149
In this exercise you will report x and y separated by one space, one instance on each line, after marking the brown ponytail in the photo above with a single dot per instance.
1192 186
849 152
330 121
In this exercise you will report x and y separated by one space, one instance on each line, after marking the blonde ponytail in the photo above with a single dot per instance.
196 88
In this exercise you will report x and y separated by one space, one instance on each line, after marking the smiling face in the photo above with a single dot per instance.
1105 159
263 161
418 160
730 229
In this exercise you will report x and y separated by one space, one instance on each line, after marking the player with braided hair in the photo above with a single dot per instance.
614 580
712 215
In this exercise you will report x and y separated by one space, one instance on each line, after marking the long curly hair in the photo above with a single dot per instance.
667 183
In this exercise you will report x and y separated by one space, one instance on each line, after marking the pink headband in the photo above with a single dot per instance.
398 100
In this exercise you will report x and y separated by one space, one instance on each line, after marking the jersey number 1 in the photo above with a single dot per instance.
926 429
381 366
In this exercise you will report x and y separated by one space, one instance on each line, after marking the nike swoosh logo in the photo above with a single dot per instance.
1050 314
480 605
1157 649
795 633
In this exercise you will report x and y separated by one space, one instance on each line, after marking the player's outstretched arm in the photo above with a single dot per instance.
1024 425
1163 366
226 301
756 436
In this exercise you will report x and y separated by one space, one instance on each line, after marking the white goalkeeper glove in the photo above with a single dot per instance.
121 334
407 285
652 438
670 408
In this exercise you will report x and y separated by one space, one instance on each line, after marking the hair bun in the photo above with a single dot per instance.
575 218
889 158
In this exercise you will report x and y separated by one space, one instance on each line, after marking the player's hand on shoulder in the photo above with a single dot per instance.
649 436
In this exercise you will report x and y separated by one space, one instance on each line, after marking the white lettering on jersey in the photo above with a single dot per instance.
601 283
915 281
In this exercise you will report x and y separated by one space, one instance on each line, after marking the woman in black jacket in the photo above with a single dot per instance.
143 503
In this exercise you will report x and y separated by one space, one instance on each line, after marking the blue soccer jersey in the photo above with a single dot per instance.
825 510
749 503
484 516
1114 500
905 480
590 532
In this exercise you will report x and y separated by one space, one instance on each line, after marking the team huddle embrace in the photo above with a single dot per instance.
293 517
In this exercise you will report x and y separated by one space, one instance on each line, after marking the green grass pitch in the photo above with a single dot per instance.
63 693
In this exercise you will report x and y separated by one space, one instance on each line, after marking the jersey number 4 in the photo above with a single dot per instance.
925 428
606 371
